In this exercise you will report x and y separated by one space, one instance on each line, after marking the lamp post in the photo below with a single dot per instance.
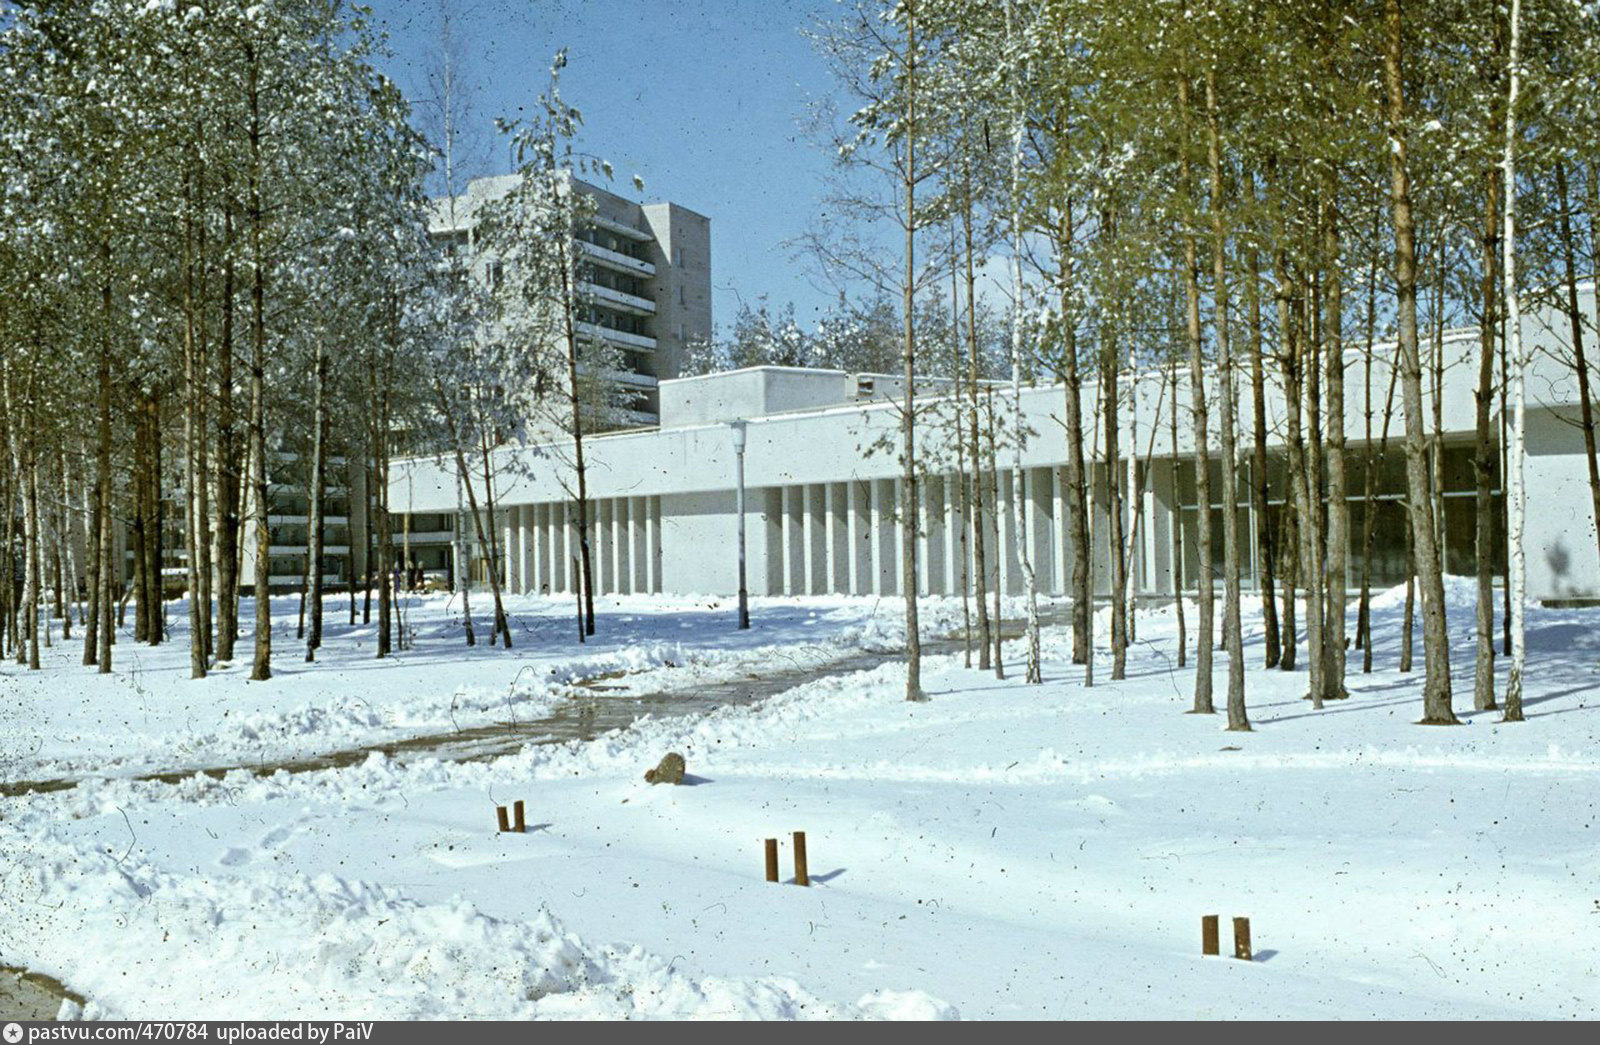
738 454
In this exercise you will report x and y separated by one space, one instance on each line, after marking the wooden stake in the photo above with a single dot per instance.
772 859
519 824
1241 939
1210 935
801 876
505 825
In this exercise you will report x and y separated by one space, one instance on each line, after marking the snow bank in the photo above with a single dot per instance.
298 947
1460 596
150 716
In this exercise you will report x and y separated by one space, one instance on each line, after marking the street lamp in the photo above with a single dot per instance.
738 453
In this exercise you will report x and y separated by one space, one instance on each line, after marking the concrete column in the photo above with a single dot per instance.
616 568
985 521
1149 578
597 545
771 534
654 538
954 549
526 563
1060 549
622 544
570 566
510 549
1042 523
639 518
935 541
559 570
613 571
548 537
1099 530
815 505
838 498
541 547
886 534
1010 537
859 497
1163 502
794 540
1136 557
531 549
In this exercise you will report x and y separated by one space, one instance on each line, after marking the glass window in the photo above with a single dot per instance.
1461 536
1387 563
1460 475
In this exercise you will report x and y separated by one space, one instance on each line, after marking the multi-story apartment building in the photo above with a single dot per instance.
645 280
646 289
288 525
289 521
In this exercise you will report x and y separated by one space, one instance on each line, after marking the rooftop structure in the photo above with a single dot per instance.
823 496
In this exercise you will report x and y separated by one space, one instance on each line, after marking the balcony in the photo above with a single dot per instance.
294 580
620 262
600 221
423 537
637 342
618 300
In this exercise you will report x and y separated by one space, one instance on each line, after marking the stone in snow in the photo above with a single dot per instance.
668 771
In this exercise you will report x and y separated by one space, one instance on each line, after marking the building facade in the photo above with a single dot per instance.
823 493
645 279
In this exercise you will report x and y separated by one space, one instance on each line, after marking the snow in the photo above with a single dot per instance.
1000 851
149 715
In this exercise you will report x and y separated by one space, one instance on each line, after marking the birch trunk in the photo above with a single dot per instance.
1033 671
1516 484
996 631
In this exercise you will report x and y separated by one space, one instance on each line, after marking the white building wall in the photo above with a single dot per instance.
823 503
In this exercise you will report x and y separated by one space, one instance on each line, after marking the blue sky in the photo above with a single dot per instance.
704 99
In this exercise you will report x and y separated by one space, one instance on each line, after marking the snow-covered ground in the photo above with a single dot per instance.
999 851
149 715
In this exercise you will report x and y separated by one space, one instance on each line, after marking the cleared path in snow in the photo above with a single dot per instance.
598 705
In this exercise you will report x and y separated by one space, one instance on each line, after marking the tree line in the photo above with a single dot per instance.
227 303
1215 196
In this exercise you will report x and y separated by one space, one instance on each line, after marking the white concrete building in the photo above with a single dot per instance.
646 277
821 506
